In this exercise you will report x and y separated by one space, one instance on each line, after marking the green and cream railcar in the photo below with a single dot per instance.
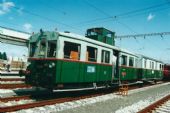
128 66
151 69
65 60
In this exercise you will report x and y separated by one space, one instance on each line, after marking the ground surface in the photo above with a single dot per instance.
110 103
122 104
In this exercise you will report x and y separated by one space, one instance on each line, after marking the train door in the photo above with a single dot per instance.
115 65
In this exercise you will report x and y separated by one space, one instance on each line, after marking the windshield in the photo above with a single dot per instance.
51 52
43 49
32 49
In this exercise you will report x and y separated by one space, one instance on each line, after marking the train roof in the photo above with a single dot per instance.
101 28
83 38
54 35
128 52
143 56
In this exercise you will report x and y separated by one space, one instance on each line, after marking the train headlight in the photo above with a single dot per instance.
51 65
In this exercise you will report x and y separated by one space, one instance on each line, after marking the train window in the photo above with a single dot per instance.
71 50
131 61
91 54
91 33
136 62
123 60
105 56
144 63
152 65
32 49
109 35
51 49
102 58
42 50
160 67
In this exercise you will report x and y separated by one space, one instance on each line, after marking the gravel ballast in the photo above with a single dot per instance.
137 99
111 103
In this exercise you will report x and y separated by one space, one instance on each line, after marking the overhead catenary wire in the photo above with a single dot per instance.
143 35
50 7
130 12
107 19
142 9
46 18
134 36
153 8
108 15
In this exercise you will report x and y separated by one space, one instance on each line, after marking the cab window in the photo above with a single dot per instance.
71 50
91 54
32 49
51 52
42 49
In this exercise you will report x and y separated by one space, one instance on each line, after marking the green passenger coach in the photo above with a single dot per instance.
151 69
63 60
128 66
66 60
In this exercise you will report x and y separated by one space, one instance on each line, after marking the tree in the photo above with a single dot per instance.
4 57
0 55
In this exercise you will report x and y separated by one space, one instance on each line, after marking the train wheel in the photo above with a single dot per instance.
155 81
140 85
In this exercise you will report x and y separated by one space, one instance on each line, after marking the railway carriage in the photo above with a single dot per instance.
128 67
166 72
151 69
63 60
66 60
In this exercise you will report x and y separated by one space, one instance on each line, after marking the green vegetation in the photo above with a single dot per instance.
3 56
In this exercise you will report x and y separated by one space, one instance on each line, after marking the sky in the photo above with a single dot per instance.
124 17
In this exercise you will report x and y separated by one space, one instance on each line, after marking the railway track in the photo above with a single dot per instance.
15 98
51 99
41 102
160 106
11 79
13 86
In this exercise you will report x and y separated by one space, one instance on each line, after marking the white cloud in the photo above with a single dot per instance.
27 27
5 7
150 17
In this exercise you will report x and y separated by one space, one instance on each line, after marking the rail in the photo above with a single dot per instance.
155 105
